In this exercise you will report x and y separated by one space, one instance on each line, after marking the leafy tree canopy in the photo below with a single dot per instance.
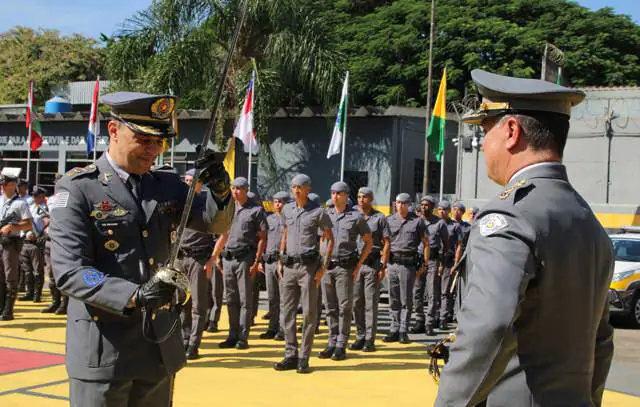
386 43
45 57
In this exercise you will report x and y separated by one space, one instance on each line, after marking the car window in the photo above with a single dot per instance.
626 250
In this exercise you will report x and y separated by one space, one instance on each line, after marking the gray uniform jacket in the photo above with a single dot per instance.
347 227
103 246
379 231
533 326
274 235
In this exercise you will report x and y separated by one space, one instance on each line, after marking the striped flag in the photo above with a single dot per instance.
435 134
94 123
244 129
341 121
32 123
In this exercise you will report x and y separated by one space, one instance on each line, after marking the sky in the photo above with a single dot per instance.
92 17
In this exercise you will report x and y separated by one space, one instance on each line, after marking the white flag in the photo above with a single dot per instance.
341 121
244 129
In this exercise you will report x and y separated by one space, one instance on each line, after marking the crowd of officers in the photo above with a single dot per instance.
312 256
333 257
25 248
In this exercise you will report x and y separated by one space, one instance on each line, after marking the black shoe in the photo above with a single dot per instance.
357 345
266 316
268 335
192 353
61 310
37 298
303 366
404 338
279 336
50 309
213 327
339 354
327 352
26 297
391 337
228 344
444 326
369 347
418 328
242 344
429 331
287 364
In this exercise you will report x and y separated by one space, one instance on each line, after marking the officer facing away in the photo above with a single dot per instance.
194 261
112 224
521 340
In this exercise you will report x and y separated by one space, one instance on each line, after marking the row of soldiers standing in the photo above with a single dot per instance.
25 248
336 257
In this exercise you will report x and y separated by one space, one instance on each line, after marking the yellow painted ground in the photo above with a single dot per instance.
395 375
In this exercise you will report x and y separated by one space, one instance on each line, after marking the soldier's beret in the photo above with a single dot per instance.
281 196
329 203
143 113
339 186
444 204
301 180
191 172
253 195
509 95
314 197
365 191
428 198
240 182
36 191
403 197
460 206
474 209
22 182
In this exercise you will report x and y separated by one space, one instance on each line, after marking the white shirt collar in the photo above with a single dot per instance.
124 176
536 165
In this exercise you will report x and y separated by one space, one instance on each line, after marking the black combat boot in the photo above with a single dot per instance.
9 302
3 291
55 302
62 309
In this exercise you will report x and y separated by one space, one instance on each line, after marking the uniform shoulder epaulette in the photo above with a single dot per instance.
510 190
77 171
163 167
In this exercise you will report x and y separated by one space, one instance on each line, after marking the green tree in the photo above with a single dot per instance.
179 46
45 57
387 42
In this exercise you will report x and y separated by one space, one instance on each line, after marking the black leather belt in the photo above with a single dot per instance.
270 257
344 262
304 258
373 260
236 254
188 252
403 259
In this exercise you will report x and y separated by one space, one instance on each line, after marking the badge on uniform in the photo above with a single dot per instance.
111 245
492 223
92 277
105 208
59 200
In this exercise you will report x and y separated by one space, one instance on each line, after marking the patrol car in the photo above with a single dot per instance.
624 292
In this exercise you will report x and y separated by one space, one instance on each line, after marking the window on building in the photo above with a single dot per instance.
433 180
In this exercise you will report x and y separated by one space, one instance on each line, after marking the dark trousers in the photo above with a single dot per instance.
366 294
337 296
216 291
239 295
9 267
32 267
401 281
195 311
122 393
299 287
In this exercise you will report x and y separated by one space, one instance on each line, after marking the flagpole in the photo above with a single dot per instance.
344 127
30 107
442 169
96 123
253 109
425 174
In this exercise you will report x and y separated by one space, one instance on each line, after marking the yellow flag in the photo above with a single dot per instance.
230 159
